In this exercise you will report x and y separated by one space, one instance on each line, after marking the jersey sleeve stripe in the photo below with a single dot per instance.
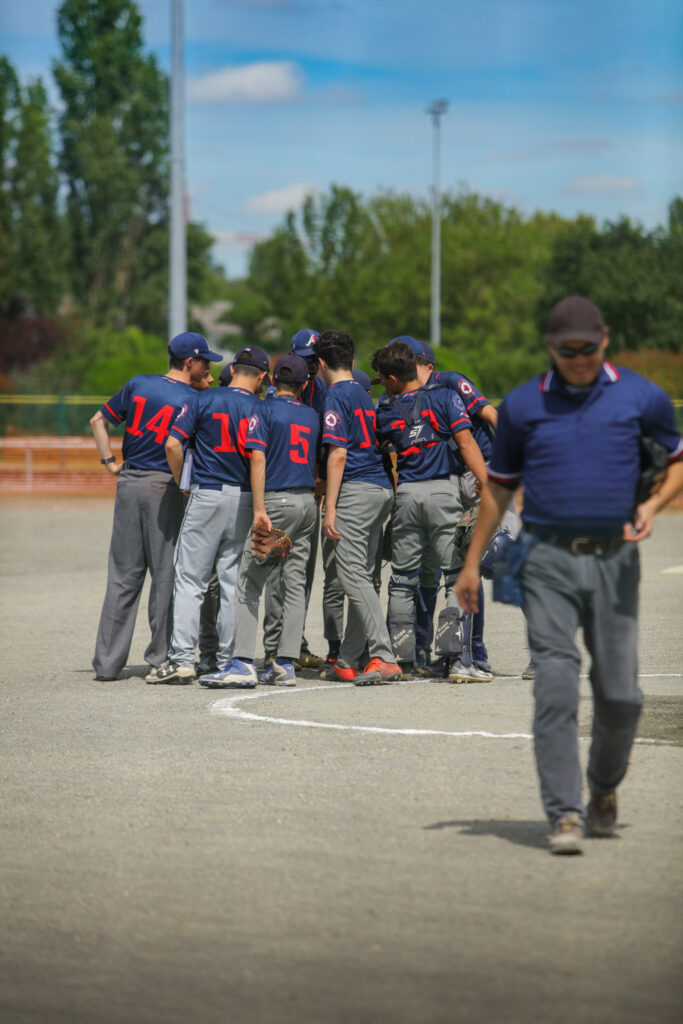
177 430
255 440
503 478
465 420
677 453
111 412
333 437
477 401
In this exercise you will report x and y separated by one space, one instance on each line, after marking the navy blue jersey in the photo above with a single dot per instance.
148 405
288 432
474 401
218 421
313 394
578 453
445 413
349 422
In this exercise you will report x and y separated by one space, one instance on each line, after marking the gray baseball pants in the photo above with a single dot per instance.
295 512
361 511
214 530
424 521
148 511
273 600
563 592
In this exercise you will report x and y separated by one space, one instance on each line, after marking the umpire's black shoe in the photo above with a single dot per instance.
601 815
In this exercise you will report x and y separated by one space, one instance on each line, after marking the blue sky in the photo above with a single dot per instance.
563 105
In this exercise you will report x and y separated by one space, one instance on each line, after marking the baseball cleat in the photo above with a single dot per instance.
172 674
388 672
352 675
238 675
530 671
461 673
307 659
567 835
280 673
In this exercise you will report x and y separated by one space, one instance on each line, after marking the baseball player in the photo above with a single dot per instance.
573 436
419 423
358 498
333 592
473 663
301 345
283 440
219 512
148 507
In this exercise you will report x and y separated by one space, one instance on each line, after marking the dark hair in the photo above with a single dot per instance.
396 360
336 348
421 361
290 386
245 370
174 363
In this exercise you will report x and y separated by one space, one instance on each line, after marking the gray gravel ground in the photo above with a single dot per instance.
162 862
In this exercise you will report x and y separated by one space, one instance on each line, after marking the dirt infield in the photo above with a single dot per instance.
327 854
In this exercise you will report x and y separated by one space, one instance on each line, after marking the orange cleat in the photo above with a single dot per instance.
378 671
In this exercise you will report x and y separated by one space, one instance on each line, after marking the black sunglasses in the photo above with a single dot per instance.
586 350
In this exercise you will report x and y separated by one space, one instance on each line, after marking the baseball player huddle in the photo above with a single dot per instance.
219 495
394 478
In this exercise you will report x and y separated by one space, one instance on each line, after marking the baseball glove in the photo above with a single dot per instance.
270 547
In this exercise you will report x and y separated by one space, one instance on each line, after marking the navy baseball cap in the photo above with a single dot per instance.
575 319
303 341
252 356
225 376
362 378
190 345
418 348
291 368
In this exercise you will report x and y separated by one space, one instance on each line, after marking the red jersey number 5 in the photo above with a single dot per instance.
298 451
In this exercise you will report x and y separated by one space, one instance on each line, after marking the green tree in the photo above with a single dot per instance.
9 113
114 156
38 248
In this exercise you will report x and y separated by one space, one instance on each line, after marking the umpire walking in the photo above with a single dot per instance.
573 438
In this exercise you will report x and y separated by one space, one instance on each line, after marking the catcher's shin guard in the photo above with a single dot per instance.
402 633
448 641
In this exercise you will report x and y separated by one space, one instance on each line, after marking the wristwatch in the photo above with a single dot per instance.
105 462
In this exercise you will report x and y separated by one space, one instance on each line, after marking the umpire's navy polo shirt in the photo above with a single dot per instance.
577 453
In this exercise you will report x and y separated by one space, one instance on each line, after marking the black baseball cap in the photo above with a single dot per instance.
252 356
292 369
575 319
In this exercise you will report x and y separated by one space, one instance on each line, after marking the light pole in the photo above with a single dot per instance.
177 257
436 109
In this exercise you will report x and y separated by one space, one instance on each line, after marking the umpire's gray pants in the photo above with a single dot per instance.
147 515
563 591
422 530
214 529
295 512
361 511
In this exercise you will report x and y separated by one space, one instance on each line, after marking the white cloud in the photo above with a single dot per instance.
280 200
261 82
605 184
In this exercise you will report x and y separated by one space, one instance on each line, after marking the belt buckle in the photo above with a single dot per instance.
581 546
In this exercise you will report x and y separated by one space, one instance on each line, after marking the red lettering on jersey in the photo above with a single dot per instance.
298 451
226 444
428 414
362 415
159 423
139 402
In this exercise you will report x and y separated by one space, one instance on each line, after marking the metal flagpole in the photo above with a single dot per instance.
177 303
437 108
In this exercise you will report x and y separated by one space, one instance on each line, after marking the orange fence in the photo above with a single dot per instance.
54 465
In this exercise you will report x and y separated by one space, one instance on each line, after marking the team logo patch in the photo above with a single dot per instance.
465 388
332 419
183 412
254 422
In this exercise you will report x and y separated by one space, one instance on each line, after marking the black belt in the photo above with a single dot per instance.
219 487
577 545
